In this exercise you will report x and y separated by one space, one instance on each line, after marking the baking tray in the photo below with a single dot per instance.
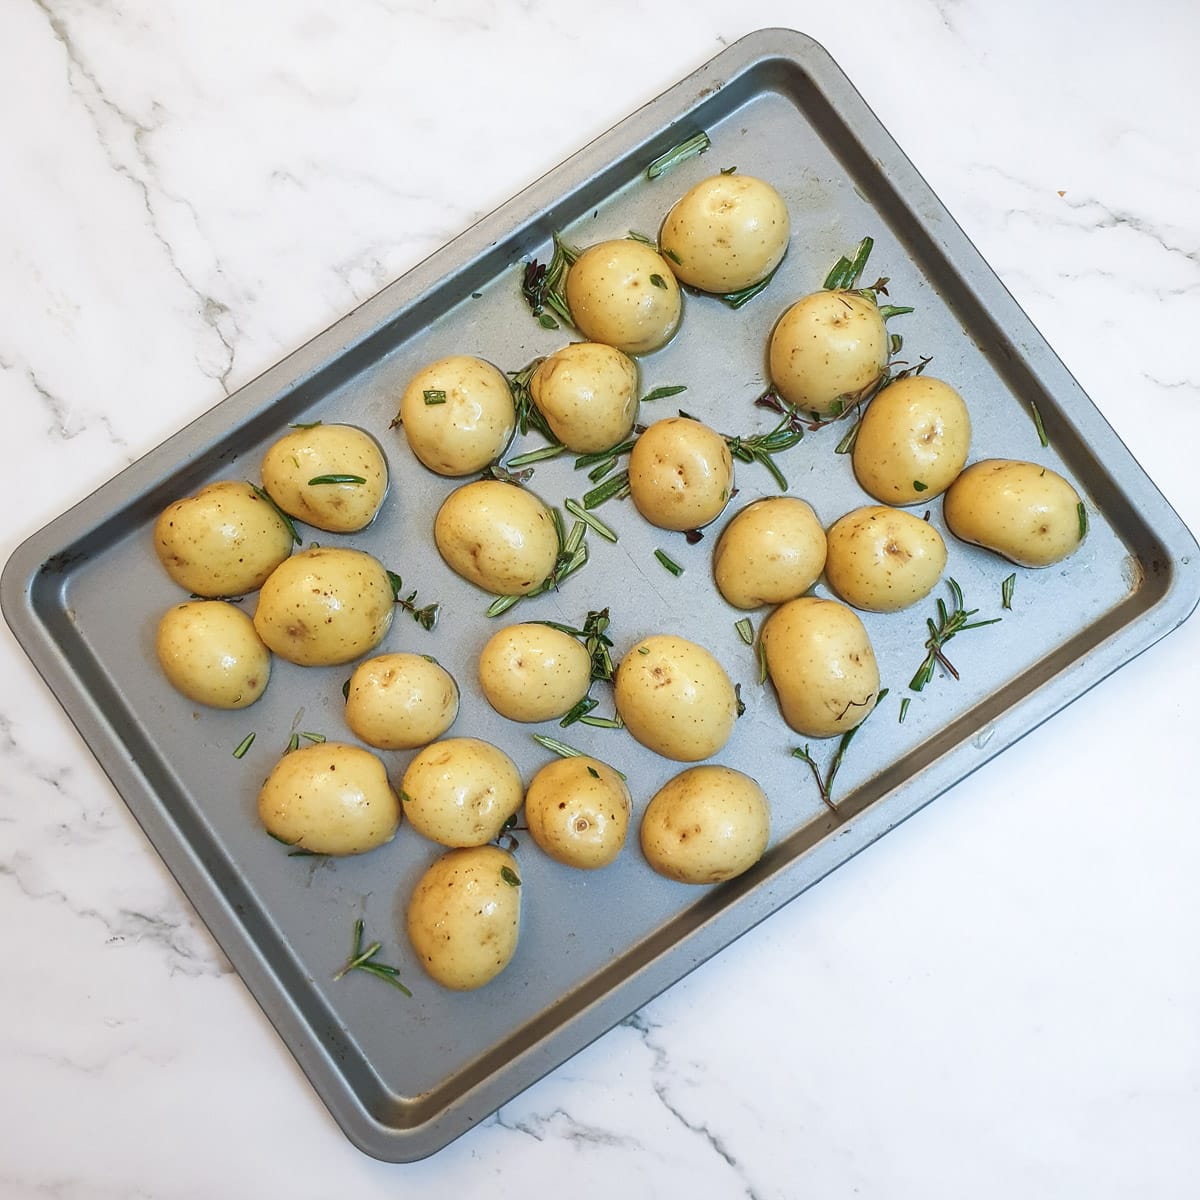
403 1077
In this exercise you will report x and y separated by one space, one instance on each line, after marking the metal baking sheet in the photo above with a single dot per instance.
404 1077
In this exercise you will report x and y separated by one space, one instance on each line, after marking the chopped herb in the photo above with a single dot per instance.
949 623
602 722
320 480
661 393
594 523
615 487
634 236
745 630
737 696
593 772
287 520
658 281
361 960
293 743
918 486
696 144
538 455
1006 590
434 396
1037 424
847 442
1083 520
728 170
405 798
346 690
761 652
546 321
304 424
735 300
578 711
244 745
643 649
825 784
510 877
904 703
673 257
425 617
313 737
562 749
669 563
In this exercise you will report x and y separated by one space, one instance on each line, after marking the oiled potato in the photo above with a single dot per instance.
534 672
882 559
726 233
223 541
497 535
588 393
680 474
209 651
772 551
464 917
912 442
461 791
332 476
325 605
331 799
578 812
820 659
623 293
458 415
828 349
706 825
1028 513
675 698
400 701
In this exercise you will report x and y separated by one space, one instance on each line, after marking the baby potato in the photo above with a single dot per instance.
578 812
674 697
461 791
588 393
826 350
772 551
912 441
706 825
332 476
821 662
680 474
882 560
1027 513
726 233
464 917
330 799
498 536
325 605
534 672
458 415
623 293
223 541
209 651
400 701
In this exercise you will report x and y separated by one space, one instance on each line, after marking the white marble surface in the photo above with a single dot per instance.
1002 998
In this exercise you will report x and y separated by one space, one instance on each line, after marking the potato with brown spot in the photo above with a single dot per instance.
882 559
578 812
534 672
400 701
680 474
588 393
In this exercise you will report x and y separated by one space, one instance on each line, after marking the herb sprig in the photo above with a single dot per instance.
426 616
542 283
950 622
363 960
825 782
572 554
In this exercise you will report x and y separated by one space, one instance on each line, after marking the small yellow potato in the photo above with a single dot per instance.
400 701
498 536
458 415
623 293
820 659
332 476
726 233
826 350
578 812
534 672
706 825
680 474
461 791
223 541
588 393
1025 512
674 697
325 605
209 651
912 441
882 560
464 917
772 551
331 798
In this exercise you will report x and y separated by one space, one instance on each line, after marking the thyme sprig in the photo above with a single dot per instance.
426 617
542 283
825 782
950 621
363 960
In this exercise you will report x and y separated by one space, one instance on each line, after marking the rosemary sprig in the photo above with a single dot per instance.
426 617
735 300
262 494
1006 590
614 487
565 751
762 447
667 561
541 285
362 960
825 783
597 643
536 456
592 522
528 414
696 144
950 621
1037 423
244 745
745 630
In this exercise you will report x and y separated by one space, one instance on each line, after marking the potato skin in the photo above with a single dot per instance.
822 665
498 536
675 698
826 350
912 441
324 606
209 651
461 791
223 541
773 550
467 431
308 453
578 812
330 798
1025 512
726 233
623 293
588 393
680 474
400 701
882 559
706 825
533 672
464 916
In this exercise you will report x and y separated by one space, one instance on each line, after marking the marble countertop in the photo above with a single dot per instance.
999 999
